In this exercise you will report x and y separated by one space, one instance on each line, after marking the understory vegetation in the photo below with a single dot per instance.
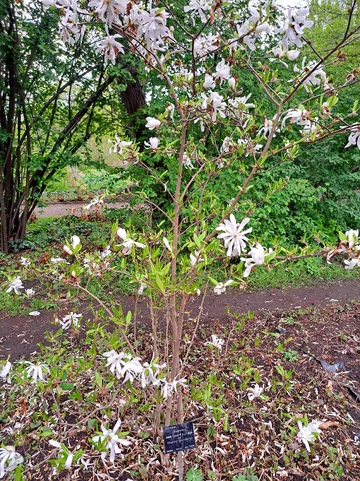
255 382
46 237
206 151
248 401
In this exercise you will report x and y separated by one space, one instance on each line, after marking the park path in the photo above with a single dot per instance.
61 209
20 335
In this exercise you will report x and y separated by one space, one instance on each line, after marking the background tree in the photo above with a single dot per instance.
51 102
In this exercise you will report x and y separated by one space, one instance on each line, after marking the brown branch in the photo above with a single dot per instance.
317 65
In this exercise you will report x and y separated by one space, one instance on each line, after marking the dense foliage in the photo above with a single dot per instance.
225 177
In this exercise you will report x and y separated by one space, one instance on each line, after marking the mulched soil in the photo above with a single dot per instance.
296 329
20 335
317 337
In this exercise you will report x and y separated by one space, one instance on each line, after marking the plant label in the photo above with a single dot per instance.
179 437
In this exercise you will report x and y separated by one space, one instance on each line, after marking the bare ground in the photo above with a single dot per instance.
20 335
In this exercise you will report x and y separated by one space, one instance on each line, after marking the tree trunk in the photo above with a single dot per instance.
134 100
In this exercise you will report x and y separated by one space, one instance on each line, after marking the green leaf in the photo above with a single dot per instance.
67 386
194 475
78 455
197 241
342 237
333 100
35 425
45 432
91 423
128 317
19 473
160 284
98 379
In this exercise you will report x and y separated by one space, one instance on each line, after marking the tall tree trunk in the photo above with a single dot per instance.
7 118
134 96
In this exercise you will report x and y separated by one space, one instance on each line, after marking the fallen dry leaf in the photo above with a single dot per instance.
328 424
23 406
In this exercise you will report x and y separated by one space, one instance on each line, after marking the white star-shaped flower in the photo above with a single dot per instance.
254 392
216 342
221 287
233 235
110 47
199 7
9 459
152 123
257 258
307 434
127 242
15 286
113 442
74 242
35 371
5 373
152 144
24 261
354 137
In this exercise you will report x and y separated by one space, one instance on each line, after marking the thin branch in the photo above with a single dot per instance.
351 12
252 173
317 65
110 313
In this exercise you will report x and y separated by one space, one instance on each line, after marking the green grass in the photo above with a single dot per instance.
300 273
45 231
10 304
46 237
81 184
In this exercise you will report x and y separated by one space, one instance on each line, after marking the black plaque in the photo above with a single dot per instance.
179 437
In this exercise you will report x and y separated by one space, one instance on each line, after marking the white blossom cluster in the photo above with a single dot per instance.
33 371
235 240
145 28
108 441
124 366
149 29
16 286
350 246
9 459
294 26
70 320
